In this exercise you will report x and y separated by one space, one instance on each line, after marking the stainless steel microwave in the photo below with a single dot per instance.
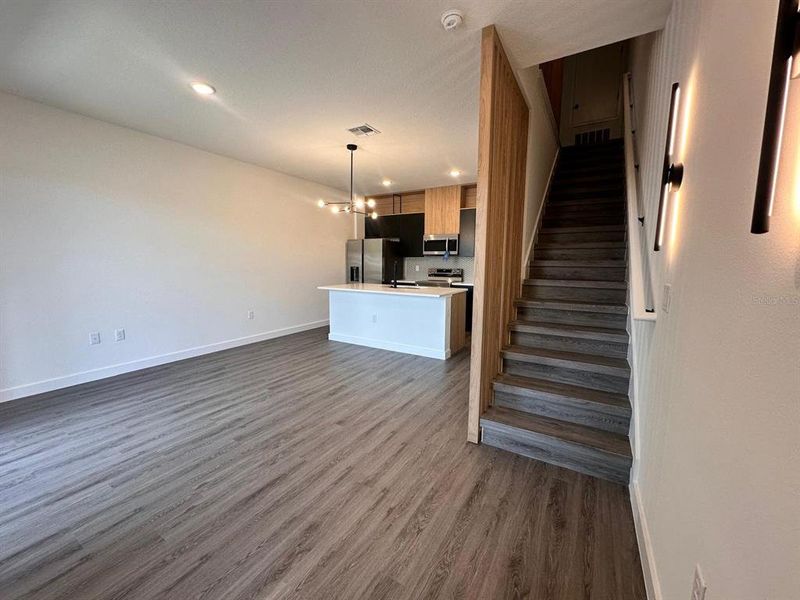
440 244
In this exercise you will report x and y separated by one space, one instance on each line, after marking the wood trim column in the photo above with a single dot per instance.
502 153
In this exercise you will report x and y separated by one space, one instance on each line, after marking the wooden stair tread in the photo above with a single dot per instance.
617 263
568 330
589 210
582 229
598 177
579 305
613 203
577 283
568 432
516 384
570 360
545 245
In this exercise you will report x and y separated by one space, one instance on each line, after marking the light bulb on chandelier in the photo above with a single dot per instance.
354 206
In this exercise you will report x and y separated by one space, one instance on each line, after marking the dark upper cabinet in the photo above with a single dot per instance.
408 228
466 239
372 227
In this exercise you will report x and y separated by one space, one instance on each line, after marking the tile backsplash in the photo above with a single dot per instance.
426 262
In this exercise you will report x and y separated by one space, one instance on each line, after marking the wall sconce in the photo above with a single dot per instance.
784 68
671 173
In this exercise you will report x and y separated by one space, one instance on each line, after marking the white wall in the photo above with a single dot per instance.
104 227
717 473
542 152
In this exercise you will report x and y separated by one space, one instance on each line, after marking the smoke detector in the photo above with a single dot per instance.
452 19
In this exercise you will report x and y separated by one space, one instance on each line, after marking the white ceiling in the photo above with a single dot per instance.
293 75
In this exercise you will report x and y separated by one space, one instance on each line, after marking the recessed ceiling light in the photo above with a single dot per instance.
387 182
202 88
455 173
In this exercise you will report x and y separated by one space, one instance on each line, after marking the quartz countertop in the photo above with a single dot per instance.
377 288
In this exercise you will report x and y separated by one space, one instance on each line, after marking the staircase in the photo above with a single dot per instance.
562 395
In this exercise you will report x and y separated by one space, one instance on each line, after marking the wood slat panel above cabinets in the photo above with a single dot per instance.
469 196
400 203
412 202
441 209
384 205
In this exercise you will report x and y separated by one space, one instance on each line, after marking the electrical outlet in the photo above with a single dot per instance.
416 268
119 335
94 338
666 300
251 314
374 318
698 585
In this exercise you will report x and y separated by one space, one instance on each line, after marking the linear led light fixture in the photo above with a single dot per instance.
671 173
785 66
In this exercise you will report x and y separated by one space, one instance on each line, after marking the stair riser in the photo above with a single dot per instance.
541 292
594 168
605 148
573 190
572 317
546 449
597 195
587 171
570 344
597 381
550 253
587 204
580 245
589 236
582 273
592 207
565 409
600 178
598 156
583 221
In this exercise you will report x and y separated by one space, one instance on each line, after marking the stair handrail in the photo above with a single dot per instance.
642 307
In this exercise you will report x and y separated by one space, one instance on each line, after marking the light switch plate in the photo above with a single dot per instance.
94 338
698 585
666 300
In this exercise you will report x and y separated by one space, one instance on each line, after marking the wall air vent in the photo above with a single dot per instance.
596 136
363 130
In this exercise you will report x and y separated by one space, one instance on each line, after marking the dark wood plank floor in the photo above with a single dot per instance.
294 468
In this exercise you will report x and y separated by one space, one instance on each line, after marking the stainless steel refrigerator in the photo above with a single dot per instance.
373 260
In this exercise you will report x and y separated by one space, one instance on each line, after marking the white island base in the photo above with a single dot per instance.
428 321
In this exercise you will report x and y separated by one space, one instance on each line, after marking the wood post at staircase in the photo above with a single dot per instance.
502 153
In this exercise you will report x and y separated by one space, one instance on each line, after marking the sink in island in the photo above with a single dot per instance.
427 321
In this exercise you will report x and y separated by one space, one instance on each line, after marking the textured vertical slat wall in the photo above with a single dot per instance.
502 153
716 380
657 60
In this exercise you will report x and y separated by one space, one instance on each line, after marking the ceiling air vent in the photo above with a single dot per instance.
363 130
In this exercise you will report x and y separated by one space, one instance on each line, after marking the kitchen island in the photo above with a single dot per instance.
427 321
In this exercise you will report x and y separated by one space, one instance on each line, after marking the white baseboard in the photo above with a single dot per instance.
394 346
57 383
651 581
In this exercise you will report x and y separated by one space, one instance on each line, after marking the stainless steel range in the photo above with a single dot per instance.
442 277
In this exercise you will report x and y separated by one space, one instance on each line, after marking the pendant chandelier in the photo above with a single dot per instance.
356 207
